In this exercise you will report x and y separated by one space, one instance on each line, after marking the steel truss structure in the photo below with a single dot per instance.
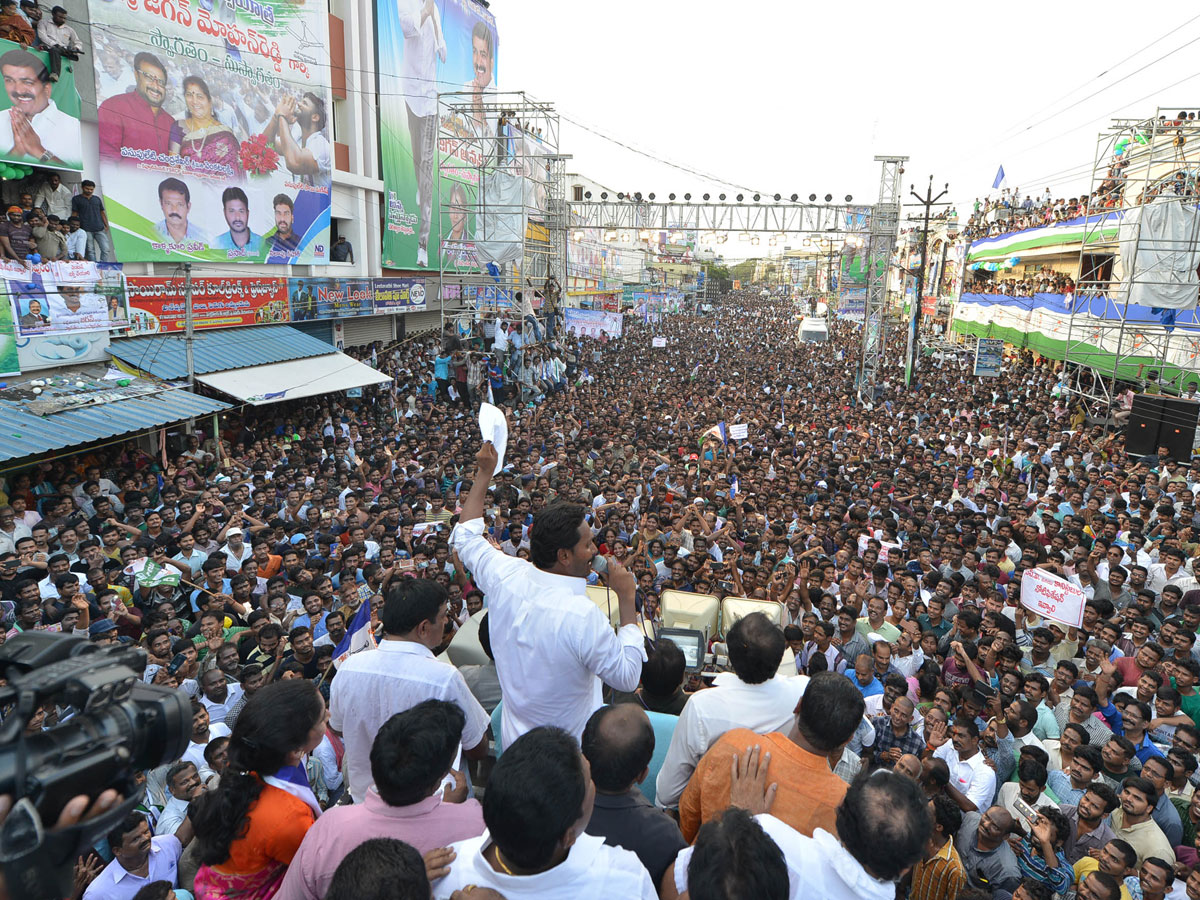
776 216
885 223
500 173
1137 162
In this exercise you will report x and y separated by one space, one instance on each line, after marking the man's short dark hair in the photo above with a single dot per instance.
734 859
534 795
414 749
618 742
380 869
282 200
756 648
116 834
20 58
1102 790
234 192
555 527
947 814
1125 850
663 670
179 187
830 711
411 601
145 57
884 823
1143 785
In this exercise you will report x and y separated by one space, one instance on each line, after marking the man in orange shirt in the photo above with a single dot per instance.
800 763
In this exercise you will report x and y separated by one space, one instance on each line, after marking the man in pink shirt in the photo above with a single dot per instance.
136 119
411 755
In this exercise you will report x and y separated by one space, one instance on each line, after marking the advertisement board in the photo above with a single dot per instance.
51 351
329 298
214 127
427 46
157 305
39 116
64 297
399 295
592 322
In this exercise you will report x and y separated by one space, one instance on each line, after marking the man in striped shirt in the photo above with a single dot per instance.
940 875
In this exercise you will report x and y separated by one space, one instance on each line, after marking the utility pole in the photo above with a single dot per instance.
188 324
914 349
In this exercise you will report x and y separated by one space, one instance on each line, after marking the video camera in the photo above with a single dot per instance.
118 727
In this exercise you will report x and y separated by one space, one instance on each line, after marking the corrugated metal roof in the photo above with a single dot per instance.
23 434
164 355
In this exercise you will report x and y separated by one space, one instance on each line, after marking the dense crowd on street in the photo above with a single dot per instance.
887 720
1046 282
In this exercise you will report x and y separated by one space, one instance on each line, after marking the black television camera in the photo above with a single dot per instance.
119 726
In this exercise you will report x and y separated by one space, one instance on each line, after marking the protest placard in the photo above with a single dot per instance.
1052 597
658 342
739 432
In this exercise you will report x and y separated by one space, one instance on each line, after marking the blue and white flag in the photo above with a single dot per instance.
358 635
733 486
1000 178
723 432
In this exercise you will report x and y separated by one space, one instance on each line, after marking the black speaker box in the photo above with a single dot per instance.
1157 421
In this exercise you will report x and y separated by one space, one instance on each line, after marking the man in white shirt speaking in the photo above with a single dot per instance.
553 646
373 686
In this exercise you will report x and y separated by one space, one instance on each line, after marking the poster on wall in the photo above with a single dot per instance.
399 295
50 351
214 129
156 305
427 46
39 110
64 297
329 298
592 323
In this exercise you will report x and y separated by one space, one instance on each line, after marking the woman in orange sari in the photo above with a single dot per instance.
250 827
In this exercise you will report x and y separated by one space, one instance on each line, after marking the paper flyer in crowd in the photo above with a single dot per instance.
494 427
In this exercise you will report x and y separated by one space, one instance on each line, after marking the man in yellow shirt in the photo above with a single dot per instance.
1117 859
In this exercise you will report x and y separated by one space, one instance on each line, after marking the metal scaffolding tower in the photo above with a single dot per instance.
885 221
501 187
1137 163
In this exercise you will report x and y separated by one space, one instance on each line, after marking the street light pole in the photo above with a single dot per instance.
913 350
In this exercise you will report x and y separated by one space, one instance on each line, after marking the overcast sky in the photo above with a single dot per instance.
798 97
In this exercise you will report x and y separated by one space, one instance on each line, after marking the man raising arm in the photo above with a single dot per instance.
553 646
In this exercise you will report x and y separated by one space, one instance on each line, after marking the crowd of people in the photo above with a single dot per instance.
889 722
1009 212
1044 282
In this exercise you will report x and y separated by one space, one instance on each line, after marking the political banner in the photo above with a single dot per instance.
592 323
10 363
427 46
157 305
492 298
989 355
329 298
658 342
399 295
214 129
66 296
1052 597
39 115
739 432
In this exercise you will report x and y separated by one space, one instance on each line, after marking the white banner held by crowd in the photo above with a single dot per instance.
658 342
739 432
1052 597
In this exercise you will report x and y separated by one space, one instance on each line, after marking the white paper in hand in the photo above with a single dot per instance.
494 428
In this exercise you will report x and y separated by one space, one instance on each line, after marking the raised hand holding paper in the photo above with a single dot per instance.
494 427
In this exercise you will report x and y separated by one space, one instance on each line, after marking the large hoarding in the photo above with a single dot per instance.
427 46
330 298
65 297
39 115
214 129
157 305
399 295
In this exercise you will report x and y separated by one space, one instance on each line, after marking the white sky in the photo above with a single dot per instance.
798 97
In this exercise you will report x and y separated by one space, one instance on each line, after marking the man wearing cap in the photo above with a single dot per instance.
16 237
103 632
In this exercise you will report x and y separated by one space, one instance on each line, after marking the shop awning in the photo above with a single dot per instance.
28 434
297 378
165 355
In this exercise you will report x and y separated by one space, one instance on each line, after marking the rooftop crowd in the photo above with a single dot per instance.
899 725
